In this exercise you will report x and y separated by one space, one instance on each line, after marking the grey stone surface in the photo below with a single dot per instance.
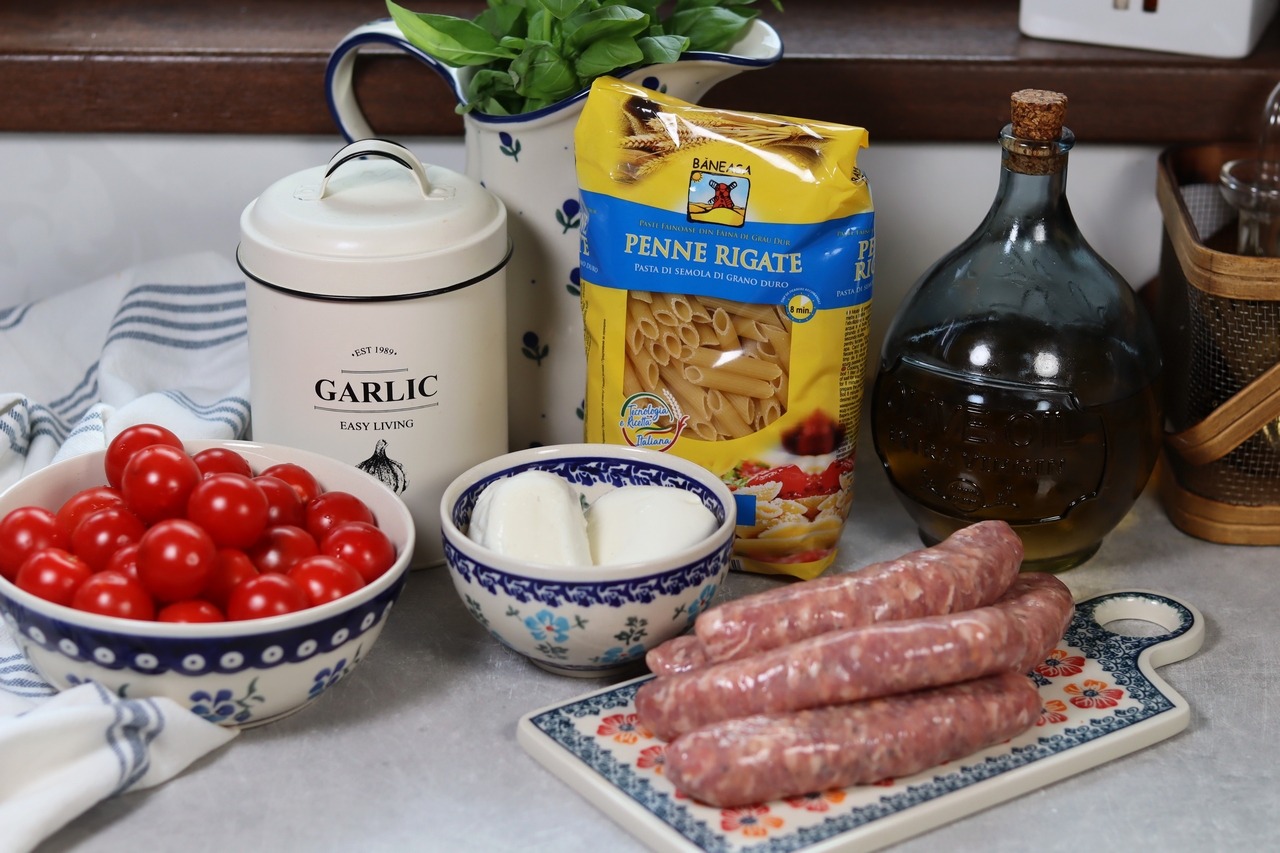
416 750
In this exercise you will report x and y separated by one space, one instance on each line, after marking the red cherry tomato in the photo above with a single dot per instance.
175 559
100 535
325 579
53 574
283 506
266 595
114 594
190 611
231 508
125 561
281 547
298 477
83 504
233 568
333 508
129 442
157 483
362 546
25 531
220 460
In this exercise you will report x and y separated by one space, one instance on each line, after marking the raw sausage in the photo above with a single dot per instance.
762 758
969 569
863 663
682 654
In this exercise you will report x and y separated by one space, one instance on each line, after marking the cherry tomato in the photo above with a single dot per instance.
53 574
362 546
281 547
192 610
129 442
283 506
175 559
157 482
333 508
220 460
266 595
114 594
325 579
298 477
125 561
233 567
25 531
83 504
231 508
100 535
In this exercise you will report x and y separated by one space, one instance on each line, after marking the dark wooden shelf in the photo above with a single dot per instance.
905 69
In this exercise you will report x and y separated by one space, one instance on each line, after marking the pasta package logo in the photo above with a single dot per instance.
651 422
719 199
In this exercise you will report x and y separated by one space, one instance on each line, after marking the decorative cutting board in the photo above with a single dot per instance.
1102 699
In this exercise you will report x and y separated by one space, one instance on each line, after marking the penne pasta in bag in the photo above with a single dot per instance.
726 268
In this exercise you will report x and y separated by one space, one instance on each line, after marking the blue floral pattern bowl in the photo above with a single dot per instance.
231 673
587 621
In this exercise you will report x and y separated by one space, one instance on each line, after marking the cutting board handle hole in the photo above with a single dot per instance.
1137 616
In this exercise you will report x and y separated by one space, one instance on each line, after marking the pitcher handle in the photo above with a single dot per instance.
343 105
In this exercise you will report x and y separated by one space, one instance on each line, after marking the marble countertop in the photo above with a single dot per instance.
417 749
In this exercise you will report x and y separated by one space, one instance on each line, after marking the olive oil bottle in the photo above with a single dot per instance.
1019 379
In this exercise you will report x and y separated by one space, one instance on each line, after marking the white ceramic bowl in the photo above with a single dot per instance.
587 621
232 673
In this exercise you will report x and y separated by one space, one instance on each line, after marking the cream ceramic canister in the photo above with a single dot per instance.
376 287
527 161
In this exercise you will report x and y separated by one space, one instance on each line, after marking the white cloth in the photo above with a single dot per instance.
62 752
164 342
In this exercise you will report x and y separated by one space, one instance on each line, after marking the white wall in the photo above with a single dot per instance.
74 208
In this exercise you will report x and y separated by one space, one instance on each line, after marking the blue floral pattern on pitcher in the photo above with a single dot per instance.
567 215
509 146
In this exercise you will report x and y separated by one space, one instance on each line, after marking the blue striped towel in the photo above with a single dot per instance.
164 342
63 752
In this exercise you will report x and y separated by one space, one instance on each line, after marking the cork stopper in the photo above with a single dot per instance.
1037 113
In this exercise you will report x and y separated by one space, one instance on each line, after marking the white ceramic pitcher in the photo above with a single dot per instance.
527 161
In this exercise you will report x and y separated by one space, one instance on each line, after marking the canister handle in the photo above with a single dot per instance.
378 148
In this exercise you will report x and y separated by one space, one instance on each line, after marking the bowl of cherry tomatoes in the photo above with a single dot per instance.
240 580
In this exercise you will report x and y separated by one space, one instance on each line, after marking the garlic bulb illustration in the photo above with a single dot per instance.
386 469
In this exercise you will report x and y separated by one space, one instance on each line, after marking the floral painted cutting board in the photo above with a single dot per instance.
1102 699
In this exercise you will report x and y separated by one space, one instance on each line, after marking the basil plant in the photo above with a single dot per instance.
533 53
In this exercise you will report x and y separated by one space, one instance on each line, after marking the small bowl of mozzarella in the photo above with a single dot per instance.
582 557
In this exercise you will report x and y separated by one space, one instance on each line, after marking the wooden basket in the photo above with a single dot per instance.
1219 322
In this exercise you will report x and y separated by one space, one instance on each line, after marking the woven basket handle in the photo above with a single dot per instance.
1231 424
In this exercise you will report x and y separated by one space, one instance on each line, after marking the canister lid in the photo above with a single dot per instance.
373 228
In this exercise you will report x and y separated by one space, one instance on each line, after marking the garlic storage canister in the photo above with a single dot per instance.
377 316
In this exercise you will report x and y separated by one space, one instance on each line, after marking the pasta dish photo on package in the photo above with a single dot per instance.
726 265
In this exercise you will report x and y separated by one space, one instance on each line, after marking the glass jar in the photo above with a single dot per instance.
1019 379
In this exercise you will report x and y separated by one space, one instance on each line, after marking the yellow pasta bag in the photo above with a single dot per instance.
726 268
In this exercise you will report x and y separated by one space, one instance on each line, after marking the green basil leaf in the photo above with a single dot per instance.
582 30
649 7
453 41
561 8
513 43
708 28
608 53
658 50
494 4
502 21
656 30
494 108
540 72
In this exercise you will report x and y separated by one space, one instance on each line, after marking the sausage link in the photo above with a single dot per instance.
968 569
760 758
864 663
681 654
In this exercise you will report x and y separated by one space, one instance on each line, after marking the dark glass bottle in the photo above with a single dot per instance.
1019 379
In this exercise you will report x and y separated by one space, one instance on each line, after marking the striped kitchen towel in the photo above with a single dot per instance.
164 342
62 752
